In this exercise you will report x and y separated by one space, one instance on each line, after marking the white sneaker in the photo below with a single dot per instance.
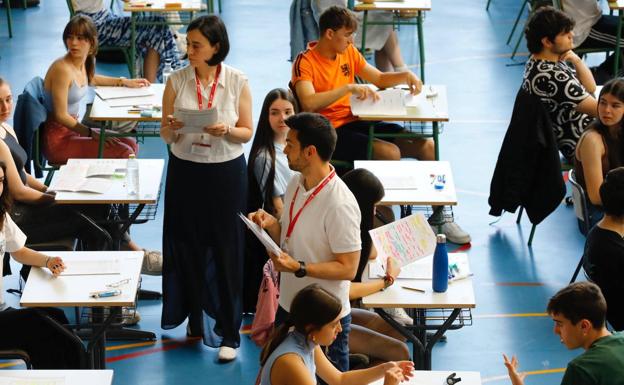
399 315
454 233
152 262
226 353
130 316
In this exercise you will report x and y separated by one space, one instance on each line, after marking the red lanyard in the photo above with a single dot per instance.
293 221
212 90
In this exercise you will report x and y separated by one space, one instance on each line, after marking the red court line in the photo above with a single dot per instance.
164 348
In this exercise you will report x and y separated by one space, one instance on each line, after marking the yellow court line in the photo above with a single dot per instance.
510 315
533 373
11 363
141 344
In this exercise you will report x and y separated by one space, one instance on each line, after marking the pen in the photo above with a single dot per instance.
105 293
413 289
460 278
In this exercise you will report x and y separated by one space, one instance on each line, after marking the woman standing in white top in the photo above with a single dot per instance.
206 187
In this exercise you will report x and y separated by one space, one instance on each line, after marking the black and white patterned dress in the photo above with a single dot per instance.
560 91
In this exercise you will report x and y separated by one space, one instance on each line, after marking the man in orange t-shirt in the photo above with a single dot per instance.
323 77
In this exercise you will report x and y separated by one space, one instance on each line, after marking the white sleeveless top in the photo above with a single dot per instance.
88 6
226 99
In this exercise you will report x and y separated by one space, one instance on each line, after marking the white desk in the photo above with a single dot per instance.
101 111
150 176
432 110
460 295
428 377
425 194
70 377
44 290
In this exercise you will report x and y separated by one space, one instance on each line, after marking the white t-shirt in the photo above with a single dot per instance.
585 14
88 6
329 224
11 240
226 99
283 173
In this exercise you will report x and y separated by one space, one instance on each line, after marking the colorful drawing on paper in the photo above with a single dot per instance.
406 240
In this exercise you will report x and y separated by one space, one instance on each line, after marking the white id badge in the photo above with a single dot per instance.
201 147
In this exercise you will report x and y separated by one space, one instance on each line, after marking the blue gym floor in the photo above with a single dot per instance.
466 51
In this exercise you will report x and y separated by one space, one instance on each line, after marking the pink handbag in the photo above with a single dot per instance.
266 307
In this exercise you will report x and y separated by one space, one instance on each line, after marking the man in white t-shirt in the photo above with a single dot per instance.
319 230
593 29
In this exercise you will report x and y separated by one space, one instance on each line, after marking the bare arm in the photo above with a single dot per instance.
290 369
391 79
313 101
168 124
18 190
34 183
362 289
269 223
101 80
588 106
278 203
582 71
343 267
394 372
590 152
30 257
243 131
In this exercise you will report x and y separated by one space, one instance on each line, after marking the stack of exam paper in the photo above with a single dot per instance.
125 97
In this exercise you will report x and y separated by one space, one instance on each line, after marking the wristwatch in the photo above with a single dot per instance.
302 270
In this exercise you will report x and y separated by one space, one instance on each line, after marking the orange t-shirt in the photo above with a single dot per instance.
326 75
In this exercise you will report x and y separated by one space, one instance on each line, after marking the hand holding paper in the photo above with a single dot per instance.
195 120
262 236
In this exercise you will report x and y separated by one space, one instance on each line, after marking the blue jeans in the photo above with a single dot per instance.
338 352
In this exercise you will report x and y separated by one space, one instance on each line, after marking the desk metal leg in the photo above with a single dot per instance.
364 21
436 337
133 44
618 42
421 45
96 348
418 348
436 140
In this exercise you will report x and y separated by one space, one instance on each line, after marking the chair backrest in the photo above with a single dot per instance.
579 198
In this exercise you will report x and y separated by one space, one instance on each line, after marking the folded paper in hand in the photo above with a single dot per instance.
195 120
262 235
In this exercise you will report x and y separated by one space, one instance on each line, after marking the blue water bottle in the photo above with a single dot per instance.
440 265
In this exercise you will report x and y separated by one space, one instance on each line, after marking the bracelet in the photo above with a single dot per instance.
120 81
388 281
47 261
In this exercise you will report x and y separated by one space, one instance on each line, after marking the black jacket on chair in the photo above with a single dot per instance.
528 170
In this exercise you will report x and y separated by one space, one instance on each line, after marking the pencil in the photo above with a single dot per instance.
413 289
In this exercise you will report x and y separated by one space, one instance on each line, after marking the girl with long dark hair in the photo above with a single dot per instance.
295 356
601 148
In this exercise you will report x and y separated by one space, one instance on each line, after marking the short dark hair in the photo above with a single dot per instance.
314 130
336 17
612 192
578 301
214 30
546 22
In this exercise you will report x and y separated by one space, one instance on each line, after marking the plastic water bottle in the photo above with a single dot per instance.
132 175
440 265
167 70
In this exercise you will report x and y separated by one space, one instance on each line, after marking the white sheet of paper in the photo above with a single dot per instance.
196 120
399 182
106 92
32 380
420 269
91 267
91 185
262 235
414 100
147 101
406 240
391 102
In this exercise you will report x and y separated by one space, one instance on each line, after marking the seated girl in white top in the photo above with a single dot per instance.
12 240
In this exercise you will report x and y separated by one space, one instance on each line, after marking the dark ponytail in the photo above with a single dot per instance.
311 309
5 198
81 25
